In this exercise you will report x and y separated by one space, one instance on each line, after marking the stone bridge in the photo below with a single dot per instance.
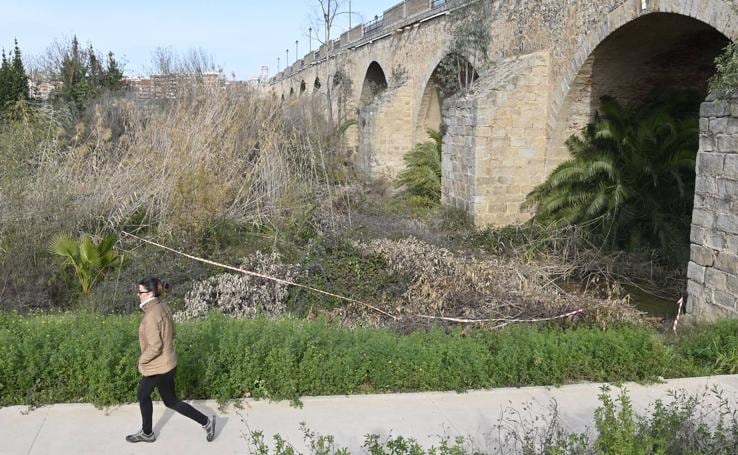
549 62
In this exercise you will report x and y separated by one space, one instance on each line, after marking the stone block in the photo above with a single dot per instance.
719 125
704 125
707 143
696 272
702 255
731 126
726 143
714 279
716 204
695 289
704 218
717 108
726 262
723 299
727 186
731 241
710 164
714 239
730 168
697 235
731 284
705 184
728 223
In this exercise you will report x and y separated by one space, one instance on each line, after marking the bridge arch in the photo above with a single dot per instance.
451 73
375 82
303 87
653 31
316 84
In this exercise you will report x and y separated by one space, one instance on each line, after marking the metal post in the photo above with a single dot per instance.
296 51
310 34
277 64
287 62
349 14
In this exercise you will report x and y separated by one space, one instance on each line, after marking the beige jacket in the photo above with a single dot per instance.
156 337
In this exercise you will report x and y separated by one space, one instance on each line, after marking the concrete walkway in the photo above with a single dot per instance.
82 429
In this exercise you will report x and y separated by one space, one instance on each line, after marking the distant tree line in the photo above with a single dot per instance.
14 84
80 73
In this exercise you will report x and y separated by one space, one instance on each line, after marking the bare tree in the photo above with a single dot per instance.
194 61
326 14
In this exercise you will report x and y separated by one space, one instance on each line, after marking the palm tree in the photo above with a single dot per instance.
632 170
90 261
422 173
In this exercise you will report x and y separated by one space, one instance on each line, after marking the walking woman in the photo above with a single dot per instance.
158 362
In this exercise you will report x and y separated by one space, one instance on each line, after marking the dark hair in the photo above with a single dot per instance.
155 285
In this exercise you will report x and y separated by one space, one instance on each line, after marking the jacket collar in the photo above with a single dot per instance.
148 303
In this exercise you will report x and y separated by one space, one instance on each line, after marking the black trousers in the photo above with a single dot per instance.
165 384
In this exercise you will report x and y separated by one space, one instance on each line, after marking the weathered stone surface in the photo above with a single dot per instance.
726 262
705 184
707 143
696 273
714 239
731 167
727 143
710 164
723 299
697 235
727 223
718 108
702 255
703 218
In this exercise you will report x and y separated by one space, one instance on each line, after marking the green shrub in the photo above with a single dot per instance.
421 177
725 80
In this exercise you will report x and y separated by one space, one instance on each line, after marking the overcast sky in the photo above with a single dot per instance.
240 35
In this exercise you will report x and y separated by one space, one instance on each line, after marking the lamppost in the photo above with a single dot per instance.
277 64
296 51
310 37
287 62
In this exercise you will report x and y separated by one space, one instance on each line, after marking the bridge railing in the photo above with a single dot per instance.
374 26
436 4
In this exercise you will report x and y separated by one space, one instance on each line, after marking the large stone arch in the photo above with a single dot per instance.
718 14
374 82
434 90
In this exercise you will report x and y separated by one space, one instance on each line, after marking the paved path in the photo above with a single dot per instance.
82 429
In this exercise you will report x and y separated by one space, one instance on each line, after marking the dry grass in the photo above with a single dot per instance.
208 155
173 169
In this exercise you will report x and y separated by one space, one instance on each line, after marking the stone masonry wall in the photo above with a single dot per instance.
494 150
713 268
458 160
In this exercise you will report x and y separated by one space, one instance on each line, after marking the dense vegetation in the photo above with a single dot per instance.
630 177
84 357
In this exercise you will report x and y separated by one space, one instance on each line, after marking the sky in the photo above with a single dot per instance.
241 36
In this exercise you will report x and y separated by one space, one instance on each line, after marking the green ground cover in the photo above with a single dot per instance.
52 358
